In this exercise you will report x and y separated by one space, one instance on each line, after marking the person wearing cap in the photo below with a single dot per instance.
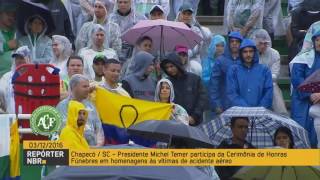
217 83
20 56
98 46
79 91
97 66
8 41
36 37
249 84
157 12
244 16
190 92
102 8
140 84
188 65
271 58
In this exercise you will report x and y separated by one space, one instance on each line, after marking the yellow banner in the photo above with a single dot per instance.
123 111
194 157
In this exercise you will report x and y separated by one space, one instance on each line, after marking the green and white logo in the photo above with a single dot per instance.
45 120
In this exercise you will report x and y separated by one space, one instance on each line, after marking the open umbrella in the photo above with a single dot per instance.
165 34
263 124
278 172
27 9
312 83
172 132
127 172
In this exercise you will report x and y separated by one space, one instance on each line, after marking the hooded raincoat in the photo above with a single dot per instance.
271 58
144 6
138 85
112 36
88 53
217 82
93 131
301 67
179 113
39 44
73 135
190 92
65 49
250 86
126 21
244 13
176 4
207 64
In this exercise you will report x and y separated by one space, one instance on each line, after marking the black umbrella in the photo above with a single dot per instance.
127 172
27 9
172 132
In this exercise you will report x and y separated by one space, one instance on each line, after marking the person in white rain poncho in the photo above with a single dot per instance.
125 15
176 4
272 18
20 56
144 6
36 39
244 16
271 58
97 46
62 49
165 94
100 17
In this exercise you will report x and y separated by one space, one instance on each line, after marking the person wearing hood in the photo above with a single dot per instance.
188 65
72 135
98 46
191 93
176 4
249 84
8 41
79 91
20 56
60 18
217 82
244 16
165 94
37 40
157 12
144 7
271 58
62 50
140 84
125 15
112 29
215 50
301 67
145 44
302 19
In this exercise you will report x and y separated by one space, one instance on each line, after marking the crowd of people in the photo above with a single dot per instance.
239 69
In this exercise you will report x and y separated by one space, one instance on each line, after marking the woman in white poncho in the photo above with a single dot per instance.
271 58
62 49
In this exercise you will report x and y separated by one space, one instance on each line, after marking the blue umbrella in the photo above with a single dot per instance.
263 124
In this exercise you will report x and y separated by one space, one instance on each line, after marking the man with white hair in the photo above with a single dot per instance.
79 88
20 56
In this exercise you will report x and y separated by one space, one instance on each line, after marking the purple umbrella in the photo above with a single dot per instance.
312 83
164 34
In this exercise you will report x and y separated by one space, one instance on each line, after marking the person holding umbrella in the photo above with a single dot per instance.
37 39
302 66
8 41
